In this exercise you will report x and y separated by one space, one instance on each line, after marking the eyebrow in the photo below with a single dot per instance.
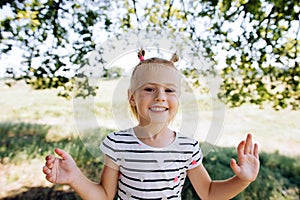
164 84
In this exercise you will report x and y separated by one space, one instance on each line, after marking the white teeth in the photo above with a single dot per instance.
158 109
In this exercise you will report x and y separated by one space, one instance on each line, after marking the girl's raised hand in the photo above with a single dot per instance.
247 167
60 170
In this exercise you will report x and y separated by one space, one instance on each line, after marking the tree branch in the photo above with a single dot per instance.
135 12
54 21
169 12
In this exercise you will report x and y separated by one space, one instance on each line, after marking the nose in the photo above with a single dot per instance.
160 96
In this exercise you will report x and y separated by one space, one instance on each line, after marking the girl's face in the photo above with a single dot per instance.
157 98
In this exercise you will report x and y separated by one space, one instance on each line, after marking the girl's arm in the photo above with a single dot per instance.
64 171
105 189
245 172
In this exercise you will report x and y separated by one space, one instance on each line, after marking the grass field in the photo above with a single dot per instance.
33 122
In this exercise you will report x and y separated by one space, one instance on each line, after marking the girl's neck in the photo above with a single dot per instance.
151 130
155 135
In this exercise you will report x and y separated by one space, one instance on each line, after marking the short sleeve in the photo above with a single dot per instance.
197 156
108 148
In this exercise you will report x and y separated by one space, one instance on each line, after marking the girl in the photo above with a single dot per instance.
150 161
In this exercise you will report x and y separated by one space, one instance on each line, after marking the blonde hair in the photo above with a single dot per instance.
150 63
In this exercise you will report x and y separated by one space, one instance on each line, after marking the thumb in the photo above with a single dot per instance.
234 166
63 154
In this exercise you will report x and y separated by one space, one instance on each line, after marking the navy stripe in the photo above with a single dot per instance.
180 161
151 180
107 146
122 142
141 161
145 151
197 152
186 143
123 134
150 189
151 151
155 170
140 198
113 159
183 137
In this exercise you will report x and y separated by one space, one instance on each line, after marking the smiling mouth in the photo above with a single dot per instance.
158 109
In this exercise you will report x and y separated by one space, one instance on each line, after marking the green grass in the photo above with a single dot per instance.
279 177
22 141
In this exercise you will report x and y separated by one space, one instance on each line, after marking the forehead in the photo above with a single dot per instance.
166 84
156 74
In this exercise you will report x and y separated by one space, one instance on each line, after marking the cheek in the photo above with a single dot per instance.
175 101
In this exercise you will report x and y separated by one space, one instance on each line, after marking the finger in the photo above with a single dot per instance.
49 174
49 162
46 170
255 151
234 166
249 145
240 149
50 158
50 178
64 155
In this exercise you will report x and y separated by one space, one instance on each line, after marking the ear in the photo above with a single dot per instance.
131 97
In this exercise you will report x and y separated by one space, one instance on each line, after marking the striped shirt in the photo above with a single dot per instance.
147 172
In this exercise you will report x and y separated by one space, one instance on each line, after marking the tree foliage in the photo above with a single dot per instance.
259 40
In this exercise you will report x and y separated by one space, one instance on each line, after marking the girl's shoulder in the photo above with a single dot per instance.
121 135
183 138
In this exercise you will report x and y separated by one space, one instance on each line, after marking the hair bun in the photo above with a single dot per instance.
174 58
141 54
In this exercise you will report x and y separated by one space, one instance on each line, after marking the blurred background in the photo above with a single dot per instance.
252 47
